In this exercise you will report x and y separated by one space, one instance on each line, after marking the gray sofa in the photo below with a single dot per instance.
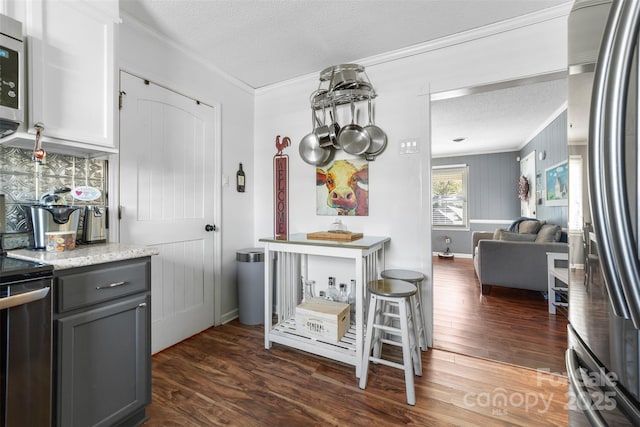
516 259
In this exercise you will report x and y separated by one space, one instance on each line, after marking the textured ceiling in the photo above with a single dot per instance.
264 42
495 121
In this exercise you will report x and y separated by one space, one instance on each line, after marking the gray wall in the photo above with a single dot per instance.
492 197
553 140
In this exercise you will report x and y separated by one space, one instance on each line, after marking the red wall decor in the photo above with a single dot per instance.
281 189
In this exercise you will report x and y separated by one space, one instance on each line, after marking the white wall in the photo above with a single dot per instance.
399 203
147 56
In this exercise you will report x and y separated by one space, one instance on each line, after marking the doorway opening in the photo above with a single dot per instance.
489 130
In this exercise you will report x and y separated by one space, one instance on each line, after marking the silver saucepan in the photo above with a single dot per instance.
334 127
324 131
310 150
352 138
377 135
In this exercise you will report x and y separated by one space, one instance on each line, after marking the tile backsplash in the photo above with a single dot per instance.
23 182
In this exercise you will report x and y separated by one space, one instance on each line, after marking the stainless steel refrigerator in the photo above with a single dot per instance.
603 355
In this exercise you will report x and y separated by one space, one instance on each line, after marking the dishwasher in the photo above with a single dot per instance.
25 343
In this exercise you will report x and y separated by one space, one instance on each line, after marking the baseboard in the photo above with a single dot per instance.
229 316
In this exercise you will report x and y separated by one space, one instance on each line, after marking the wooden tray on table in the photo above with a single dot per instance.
341 236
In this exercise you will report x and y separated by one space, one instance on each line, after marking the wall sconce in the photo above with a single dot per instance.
542 155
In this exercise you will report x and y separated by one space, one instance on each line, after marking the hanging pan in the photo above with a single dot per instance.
324 132
352 138
310 150
377 135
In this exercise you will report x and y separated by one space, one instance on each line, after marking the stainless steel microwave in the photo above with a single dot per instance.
12 75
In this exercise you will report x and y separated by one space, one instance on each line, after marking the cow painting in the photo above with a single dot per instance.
343 189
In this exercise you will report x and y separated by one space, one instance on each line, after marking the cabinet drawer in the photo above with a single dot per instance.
91 285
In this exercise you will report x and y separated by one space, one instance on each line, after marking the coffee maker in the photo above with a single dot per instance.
44 219
95 224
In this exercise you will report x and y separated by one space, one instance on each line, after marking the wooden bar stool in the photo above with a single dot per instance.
416 278
385 294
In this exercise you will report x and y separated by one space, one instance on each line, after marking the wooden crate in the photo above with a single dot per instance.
322 319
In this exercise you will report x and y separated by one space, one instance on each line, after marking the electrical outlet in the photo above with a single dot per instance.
409 146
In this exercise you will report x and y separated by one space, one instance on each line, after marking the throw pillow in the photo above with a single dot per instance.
497 235
510 236
549 233
529 227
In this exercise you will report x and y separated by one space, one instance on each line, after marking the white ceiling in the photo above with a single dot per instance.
503 119
264 42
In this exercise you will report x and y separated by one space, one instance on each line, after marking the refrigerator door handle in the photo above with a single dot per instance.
616 92
600 214
583 400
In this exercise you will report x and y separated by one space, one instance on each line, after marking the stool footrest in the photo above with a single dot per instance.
391 342
387 362
389 329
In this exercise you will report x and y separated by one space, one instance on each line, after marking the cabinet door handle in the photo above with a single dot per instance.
142 304
110 285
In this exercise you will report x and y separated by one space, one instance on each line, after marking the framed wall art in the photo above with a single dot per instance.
342 188
557 184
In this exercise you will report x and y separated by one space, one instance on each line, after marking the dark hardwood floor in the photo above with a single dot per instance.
225 376
508 325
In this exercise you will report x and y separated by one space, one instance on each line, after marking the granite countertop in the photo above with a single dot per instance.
86 255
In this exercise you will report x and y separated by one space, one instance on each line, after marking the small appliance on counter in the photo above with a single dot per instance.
95 224
47 219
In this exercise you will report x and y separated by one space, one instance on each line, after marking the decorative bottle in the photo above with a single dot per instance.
351 299
309 291
240 180
343 297
332 292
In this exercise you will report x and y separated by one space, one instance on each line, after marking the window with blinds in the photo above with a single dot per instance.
449 196
576 216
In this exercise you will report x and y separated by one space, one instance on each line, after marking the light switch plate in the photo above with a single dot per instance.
409 146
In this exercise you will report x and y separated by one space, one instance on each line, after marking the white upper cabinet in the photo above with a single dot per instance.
72 71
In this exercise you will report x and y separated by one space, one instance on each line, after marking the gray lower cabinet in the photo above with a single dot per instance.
102 342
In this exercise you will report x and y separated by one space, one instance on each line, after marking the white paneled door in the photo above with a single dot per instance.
166 182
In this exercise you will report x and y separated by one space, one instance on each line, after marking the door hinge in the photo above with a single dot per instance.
120 99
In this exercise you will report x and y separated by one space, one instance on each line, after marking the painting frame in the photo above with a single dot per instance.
557 184
338 178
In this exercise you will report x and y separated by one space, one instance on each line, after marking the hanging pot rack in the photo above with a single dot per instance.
339 85
342 84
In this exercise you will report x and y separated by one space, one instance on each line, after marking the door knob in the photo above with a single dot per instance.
210 227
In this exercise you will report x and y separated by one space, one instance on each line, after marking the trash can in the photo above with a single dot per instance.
251 285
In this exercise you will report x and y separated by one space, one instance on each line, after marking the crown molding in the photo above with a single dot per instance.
529 19
507 25
441 43
137 24
546 123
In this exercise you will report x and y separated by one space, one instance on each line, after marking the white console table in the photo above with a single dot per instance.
559 273
289 258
